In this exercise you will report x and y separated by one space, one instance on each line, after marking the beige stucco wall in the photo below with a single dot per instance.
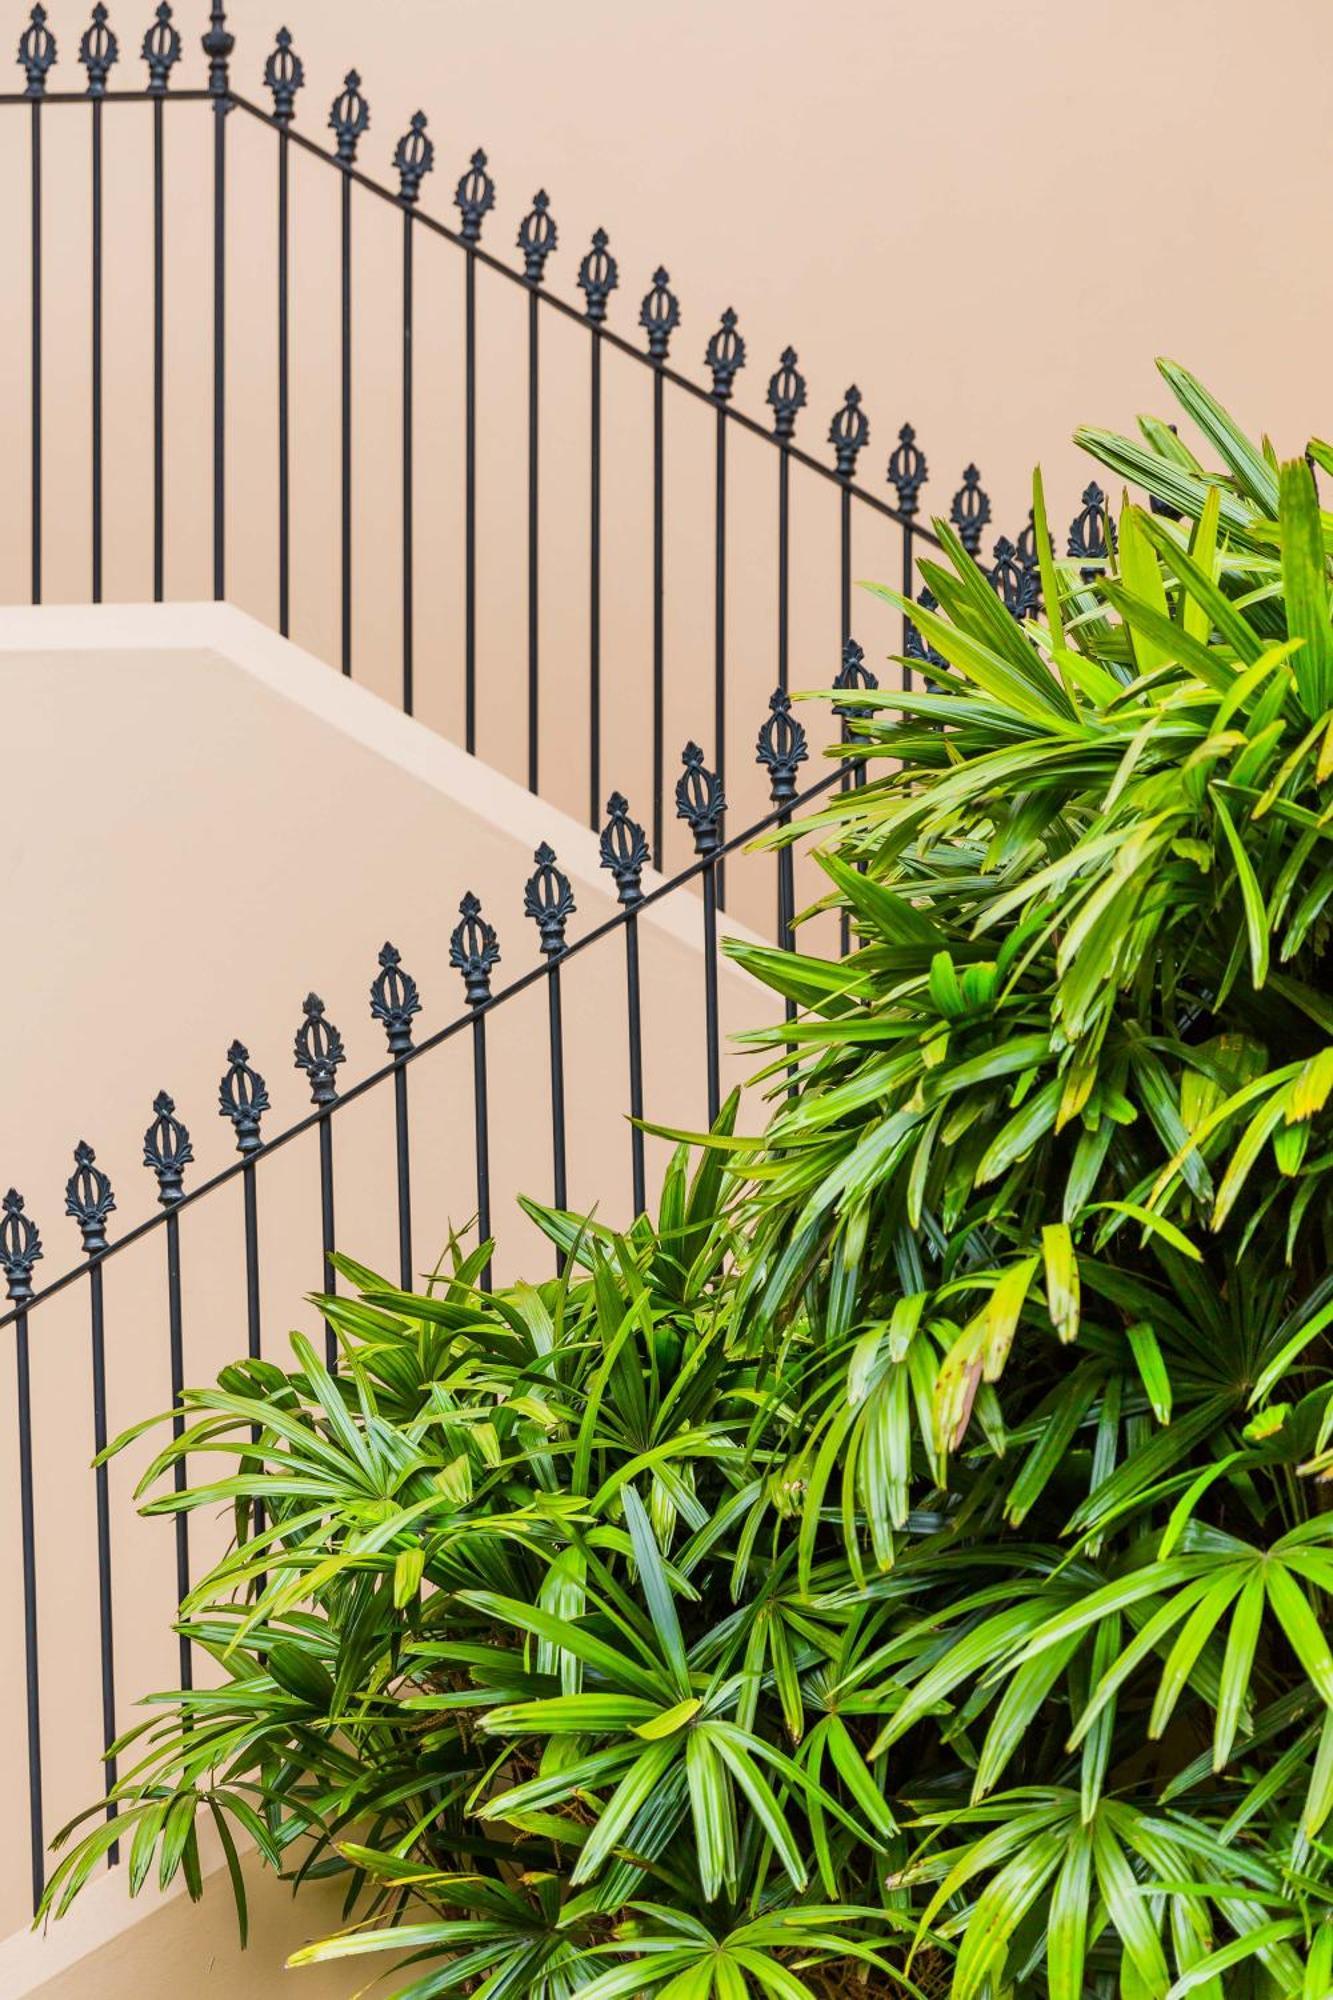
158 1946
207 823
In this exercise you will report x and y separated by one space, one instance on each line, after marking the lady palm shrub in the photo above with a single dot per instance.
904 1566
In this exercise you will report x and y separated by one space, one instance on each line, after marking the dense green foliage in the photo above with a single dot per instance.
906 1566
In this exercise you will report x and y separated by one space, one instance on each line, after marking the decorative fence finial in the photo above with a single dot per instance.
167 1150
624 850
1013 580
88 1198
915 646
549 900
907 471
849 432
37 54
98 51
349 117
474 197
161 51
599 274
414 156
218 44
319 1050
243 1097
659 315
700 801
725 356
786 394
394 1000
537 237
853 673
1087 533
781 748
284 73
970 510
20 1241
475 950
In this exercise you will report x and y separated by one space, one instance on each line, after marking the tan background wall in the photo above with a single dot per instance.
990 219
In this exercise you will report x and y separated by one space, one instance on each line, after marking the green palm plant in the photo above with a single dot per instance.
1054 1187
905 1564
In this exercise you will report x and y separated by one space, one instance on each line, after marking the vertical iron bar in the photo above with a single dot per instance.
104 1596
346 261
34 1710
404 1163
36 478
284 404
720 623
97 351
595 583
254 1344
845 566
408 524
786 927
557 1036
177 1349
481 1112
534 713
329 1280
159 357
784 555
907 593
659 662
710 992
634 1004
220 109
470 500
251 1205
846 778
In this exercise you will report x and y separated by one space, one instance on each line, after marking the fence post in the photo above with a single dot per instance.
537 238
599 275
89 1200
284 74
549 900
98 51
218 44
907 475
394 999
37 54
161 51
349 116
659 316
474 197
167 1152
724 357
474 950
318 1052
786 397
701 803
20 1247
848 434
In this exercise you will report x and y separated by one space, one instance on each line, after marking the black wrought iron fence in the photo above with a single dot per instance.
472 416
625 844
319 1052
